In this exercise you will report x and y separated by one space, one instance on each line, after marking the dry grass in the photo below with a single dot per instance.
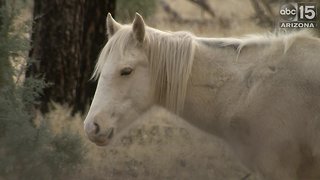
157 146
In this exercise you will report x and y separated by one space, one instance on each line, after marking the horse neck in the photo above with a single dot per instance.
213 64
215 69
218 59
212 68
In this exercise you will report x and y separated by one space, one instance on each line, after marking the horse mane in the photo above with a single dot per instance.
287 38
170 58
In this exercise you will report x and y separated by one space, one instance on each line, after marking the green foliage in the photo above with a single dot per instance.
27 151
69 157
125 10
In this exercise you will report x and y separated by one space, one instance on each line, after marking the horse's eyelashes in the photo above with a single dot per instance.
126 71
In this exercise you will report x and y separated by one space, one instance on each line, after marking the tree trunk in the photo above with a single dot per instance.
94 37
1 12
67 36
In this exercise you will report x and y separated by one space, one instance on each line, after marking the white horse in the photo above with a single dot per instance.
260 94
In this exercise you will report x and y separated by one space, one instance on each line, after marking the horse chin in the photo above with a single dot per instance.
103 143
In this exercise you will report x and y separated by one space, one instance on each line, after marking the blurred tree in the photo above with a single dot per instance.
125 9
1 5
67 37
205 5
263 13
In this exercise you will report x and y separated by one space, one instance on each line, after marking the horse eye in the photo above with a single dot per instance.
126 71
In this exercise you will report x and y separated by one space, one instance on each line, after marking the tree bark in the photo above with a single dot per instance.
1 13
94 37
67 36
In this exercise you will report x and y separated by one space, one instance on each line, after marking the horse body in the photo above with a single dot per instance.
265 104
261 95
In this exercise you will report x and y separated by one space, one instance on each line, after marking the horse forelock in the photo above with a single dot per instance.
119 42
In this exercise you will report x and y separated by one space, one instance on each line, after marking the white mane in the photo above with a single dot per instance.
257 39
171 58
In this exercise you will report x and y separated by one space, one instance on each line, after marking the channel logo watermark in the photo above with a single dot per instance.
298 15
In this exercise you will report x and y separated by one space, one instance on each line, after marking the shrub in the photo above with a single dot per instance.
27 151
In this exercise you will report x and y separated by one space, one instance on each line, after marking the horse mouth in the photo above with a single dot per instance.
105 139
102 142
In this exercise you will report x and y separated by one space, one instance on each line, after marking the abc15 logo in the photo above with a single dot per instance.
299 11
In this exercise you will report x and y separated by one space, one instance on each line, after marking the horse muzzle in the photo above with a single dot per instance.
97 135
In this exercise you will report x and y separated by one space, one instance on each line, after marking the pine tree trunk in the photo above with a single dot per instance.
66 40
2 5
94 37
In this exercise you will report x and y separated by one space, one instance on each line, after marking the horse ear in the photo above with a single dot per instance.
112 25
138 27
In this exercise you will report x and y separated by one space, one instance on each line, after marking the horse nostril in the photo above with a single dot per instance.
97 128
